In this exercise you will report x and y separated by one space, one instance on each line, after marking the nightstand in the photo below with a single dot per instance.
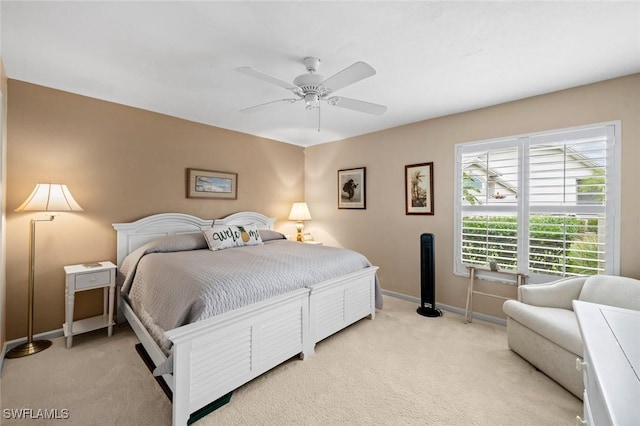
318 243
88 277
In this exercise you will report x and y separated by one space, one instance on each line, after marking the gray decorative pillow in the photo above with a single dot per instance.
268 235
178 242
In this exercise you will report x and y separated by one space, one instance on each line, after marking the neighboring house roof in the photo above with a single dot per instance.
477 168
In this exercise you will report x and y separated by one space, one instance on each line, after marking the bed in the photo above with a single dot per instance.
212 357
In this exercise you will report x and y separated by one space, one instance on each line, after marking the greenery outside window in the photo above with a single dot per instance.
542 204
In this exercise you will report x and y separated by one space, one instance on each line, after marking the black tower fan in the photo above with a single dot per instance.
427 278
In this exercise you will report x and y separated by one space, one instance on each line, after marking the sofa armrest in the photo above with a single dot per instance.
557 294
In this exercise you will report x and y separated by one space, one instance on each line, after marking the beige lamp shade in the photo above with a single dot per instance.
50 197
299 211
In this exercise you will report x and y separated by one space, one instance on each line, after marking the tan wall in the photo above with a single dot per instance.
391 239
120 164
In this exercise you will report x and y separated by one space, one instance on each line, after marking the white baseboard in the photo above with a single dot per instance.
47 335
454 309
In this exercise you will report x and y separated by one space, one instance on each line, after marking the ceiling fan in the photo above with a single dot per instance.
313 88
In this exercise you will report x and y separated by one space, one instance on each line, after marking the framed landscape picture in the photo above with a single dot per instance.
352 188
418 180
211 184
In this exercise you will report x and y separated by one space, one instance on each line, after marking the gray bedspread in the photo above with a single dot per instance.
176 280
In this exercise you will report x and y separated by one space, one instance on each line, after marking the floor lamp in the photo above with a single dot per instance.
52 198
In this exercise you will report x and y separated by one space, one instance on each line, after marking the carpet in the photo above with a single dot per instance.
399 369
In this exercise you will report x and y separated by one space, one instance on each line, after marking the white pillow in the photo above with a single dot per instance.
222 237
250 235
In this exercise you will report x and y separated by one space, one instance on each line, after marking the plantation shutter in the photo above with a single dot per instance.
489 227
568 201
541 204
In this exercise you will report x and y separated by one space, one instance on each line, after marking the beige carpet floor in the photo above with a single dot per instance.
399 369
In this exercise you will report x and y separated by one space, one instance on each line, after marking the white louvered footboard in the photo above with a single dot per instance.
212 358
337 303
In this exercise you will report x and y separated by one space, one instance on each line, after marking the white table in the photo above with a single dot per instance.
88 277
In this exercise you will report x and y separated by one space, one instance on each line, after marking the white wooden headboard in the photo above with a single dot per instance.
135 234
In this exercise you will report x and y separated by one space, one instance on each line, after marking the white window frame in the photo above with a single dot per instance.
612 209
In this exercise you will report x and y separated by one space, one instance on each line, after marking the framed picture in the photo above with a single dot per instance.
352 188
210 184
418 182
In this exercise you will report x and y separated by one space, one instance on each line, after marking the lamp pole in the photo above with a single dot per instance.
31 347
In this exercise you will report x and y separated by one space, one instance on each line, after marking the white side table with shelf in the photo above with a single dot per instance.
88 277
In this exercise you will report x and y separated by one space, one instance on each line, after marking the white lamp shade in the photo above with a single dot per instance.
299 211
50 197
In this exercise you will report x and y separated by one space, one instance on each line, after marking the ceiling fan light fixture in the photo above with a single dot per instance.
311 100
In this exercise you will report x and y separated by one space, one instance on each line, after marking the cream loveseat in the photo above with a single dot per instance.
542 328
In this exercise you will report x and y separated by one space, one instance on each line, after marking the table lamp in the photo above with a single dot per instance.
299 213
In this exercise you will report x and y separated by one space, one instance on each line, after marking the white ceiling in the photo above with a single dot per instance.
431 58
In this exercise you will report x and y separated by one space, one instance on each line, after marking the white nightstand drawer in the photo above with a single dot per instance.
100 278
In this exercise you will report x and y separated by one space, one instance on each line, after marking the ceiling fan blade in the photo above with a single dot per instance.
351 74
266 77
268 104
357 105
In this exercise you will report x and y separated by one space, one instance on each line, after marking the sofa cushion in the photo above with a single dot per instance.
558 325
621 292
558 294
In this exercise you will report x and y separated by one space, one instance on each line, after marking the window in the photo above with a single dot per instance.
542 204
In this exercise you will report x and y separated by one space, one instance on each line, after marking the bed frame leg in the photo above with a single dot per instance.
307 352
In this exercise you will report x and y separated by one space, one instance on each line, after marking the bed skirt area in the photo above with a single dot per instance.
215 356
